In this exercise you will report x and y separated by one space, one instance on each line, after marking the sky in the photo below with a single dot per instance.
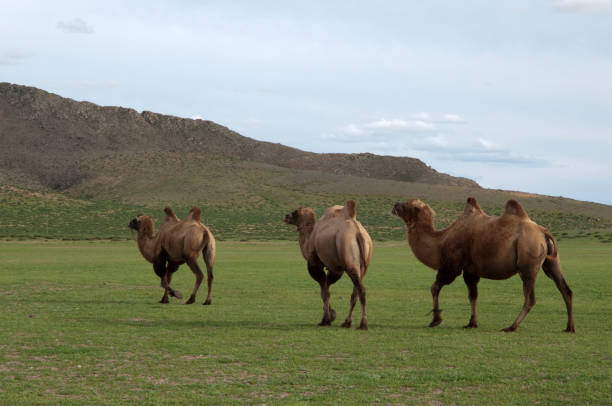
516 94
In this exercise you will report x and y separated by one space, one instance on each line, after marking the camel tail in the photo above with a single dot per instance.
551 244
364 253
209 249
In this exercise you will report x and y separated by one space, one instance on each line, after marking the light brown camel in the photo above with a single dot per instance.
487 247
150 246
339 243
177 242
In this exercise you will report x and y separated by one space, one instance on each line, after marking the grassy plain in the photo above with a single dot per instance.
26 214
80 324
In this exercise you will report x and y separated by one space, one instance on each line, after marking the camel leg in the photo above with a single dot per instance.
327 311
161 270
332 277
471 281
209 280
318 274
195 268
361 291
172 267
349 318
529 292
443 277
552 269
166 287
209 260
435 292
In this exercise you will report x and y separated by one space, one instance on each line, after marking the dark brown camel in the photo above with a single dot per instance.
177 242
339 243
487 247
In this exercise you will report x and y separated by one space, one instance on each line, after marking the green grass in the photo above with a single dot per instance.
81 325
29 214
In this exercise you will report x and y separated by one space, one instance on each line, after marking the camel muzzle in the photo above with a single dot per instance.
394 210
134 224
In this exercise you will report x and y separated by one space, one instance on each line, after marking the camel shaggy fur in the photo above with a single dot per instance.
483 246
339 243
177 242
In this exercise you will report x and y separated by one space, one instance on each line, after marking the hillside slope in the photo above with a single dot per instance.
75 169
59 142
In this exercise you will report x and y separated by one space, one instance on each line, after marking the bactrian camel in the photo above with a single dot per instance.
483 246
339 243
177 242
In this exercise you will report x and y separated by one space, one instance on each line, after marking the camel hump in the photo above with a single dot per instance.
472 206
170 213
350 209
195 214
514 208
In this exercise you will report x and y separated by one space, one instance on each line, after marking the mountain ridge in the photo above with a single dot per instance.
48 136
84 169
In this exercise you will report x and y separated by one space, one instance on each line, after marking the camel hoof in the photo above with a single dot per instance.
435 323
347 324
569 330
324 324
363 326
471 325
207 302
176 294
190 301
164 301
508 329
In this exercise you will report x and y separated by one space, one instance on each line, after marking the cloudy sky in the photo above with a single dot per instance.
514 94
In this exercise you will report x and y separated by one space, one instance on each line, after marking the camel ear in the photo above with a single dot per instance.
350 208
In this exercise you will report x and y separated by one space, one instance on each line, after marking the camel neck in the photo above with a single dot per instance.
304 232
147 245
425 241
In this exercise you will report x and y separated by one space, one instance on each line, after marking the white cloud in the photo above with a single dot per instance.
352 129
11 58
452 118
421 135
76 25
421 116
582 5
381 128
488 145
399 124
418 123
475 150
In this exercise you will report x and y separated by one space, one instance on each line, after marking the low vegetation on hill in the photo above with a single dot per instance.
28 214
73 169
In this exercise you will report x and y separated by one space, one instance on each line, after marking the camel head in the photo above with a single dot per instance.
301 216
142 224
413 211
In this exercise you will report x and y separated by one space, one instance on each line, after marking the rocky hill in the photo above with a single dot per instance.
76 169
56 142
